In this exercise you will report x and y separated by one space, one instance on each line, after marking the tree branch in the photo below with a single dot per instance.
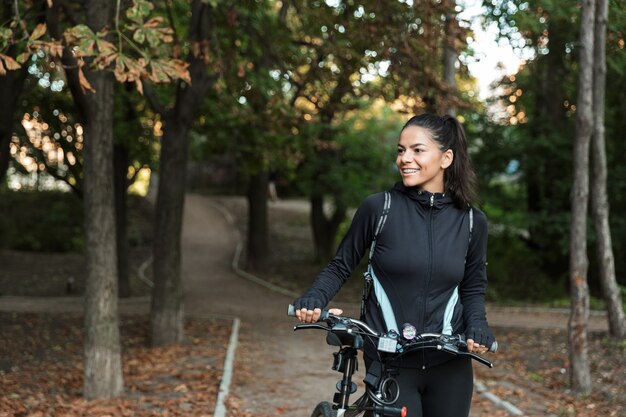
151 98
69 62
170 17
71 16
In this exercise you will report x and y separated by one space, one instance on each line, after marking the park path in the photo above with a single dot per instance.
276 371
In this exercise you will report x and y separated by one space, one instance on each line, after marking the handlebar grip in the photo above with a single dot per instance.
493 348
291 312
389 411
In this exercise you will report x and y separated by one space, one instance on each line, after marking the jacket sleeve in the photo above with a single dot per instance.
350 251
474 284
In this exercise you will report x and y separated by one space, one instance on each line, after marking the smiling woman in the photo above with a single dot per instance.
427 265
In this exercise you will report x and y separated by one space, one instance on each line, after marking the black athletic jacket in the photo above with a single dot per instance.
424 264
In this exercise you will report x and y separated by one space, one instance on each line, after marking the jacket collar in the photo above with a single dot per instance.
424 198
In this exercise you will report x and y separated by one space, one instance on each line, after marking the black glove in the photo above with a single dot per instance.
310 303
481 334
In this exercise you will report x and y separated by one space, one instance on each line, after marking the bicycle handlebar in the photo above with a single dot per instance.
329 318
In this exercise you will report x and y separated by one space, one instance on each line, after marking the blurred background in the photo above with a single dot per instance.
111 112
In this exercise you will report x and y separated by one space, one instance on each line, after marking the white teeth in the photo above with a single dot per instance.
410 171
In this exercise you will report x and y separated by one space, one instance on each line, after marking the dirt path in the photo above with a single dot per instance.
276 370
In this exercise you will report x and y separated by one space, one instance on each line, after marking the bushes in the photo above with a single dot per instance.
44 221
515 274
52 221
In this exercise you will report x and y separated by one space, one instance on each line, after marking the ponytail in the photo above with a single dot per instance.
448 133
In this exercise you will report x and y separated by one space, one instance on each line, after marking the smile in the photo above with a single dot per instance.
409 171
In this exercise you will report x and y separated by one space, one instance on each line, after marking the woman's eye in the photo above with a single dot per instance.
400 151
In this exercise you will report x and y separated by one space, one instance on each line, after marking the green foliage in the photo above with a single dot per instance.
513 270
6 36
296 90
52 221
357 161
48 221
133 128
537 127
138 47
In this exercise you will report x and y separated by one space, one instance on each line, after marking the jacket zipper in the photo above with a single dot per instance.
430 270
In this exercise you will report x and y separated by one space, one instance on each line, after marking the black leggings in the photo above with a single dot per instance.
444 390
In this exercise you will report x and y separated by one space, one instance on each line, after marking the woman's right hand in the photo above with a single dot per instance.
308 316
308 309
311 316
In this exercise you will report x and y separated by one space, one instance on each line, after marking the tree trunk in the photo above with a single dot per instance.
258 241
599 198
167 293
450 57
120 164
11 86
103 365
579 360
324 229
166 314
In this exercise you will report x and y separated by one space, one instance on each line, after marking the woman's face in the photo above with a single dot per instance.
420 161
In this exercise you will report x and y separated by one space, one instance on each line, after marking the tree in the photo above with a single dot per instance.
579 291
450 57
93 94
92 54
167 307
599 198
11 85
538 107
134 140
263 40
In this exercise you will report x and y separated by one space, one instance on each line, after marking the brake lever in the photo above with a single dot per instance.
456 351
478 358
310 326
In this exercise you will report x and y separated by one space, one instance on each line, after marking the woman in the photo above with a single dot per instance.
428 266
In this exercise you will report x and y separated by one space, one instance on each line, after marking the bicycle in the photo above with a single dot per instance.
382 390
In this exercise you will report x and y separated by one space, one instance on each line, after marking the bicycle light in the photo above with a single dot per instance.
409 331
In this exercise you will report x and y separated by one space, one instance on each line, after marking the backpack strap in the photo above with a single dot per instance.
381 223
367 284
471 230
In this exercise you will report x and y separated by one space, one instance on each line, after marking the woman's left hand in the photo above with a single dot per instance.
479 338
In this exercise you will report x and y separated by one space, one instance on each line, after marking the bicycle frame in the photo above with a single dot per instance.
345 362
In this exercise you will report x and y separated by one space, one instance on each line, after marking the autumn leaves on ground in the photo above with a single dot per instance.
41 371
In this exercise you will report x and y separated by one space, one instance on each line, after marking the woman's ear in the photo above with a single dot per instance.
446 158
